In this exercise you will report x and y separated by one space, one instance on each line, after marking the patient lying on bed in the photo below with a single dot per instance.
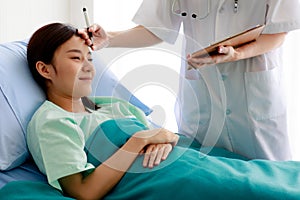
96 147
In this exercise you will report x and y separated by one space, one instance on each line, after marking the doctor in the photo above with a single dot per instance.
234 99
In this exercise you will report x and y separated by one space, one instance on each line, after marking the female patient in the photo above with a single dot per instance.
61 63
59 131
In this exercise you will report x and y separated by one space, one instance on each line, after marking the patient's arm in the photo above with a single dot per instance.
107 175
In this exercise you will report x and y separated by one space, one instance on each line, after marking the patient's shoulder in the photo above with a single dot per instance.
48 112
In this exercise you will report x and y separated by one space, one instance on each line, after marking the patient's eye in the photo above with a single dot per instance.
75 58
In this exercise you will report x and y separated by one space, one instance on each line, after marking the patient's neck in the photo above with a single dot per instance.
69 104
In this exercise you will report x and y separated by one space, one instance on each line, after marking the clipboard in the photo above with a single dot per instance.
236 40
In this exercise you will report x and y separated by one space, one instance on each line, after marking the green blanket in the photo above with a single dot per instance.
186 174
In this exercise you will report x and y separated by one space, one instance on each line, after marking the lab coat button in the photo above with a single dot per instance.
221 10
228 112
224 77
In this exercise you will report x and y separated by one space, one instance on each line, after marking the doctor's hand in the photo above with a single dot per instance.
99 38
155 153
225 54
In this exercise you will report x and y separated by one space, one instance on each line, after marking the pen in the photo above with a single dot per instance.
86 17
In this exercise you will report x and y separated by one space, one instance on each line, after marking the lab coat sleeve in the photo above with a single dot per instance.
156 16
282 16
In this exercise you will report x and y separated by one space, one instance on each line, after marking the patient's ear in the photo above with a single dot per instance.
45 70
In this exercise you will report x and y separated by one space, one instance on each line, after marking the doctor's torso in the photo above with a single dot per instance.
239 105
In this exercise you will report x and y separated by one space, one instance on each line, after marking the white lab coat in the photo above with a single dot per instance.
239 105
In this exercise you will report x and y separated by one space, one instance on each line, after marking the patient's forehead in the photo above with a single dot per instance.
75 42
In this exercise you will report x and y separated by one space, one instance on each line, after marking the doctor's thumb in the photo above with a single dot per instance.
223 50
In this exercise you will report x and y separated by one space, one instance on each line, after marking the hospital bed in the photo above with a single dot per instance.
220 175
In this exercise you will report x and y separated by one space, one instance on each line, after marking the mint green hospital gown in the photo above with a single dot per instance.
56 138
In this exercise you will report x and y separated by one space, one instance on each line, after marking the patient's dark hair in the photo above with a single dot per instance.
42 46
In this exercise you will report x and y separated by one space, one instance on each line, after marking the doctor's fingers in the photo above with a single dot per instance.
197 63
226 54
97 31
84 35
100 37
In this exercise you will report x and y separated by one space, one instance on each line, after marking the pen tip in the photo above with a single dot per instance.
84 9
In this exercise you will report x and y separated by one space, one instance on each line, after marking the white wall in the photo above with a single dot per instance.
115 14
20 18
292 71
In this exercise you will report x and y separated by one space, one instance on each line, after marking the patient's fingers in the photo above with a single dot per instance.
147 155
150 156
168 148
160 153
155 154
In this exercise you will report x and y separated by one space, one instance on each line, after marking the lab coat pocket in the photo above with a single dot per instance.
264 92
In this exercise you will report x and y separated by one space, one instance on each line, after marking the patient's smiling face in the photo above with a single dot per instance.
72 70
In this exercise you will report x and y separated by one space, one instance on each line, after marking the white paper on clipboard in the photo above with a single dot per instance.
236 40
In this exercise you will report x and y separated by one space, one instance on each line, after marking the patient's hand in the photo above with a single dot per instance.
158 144
155 153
